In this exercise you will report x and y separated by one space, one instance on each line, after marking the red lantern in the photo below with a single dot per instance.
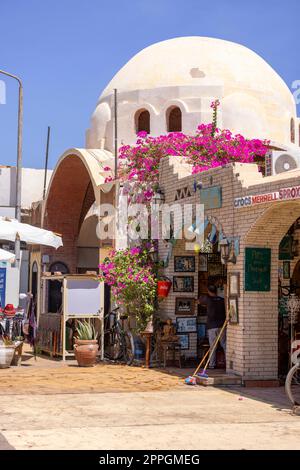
163 288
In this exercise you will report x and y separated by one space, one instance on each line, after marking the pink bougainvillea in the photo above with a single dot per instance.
210 147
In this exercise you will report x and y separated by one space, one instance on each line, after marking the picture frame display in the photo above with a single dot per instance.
184 306
233 310
184 264
184 340
234 284
183 283
186 324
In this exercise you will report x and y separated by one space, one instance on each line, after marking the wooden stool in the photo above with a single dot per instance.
174 348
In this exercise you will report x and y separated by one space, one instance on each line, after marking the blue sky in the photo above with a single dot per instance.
67 51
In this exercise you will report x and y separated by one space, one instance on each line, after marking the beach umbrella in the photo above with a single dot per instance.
10 229
7 256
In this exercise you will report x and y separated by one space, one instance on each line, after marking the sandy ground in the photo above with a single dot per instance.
45 376
47 405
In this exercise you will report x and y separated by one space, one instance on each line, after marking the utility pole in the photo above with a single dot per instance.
19 160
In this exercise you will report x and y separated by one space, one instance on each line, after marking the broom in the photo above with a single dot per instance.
191 380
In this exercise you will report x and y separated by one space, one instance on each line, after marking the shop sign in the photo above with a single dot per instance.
257 269
284 194
2 286
211 197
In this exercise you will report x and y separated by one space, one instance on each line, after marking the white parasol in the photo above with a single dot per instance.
7 256
10 229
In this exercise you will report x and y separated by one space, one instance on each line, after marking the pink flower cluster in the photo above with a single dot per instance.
125 269
209 148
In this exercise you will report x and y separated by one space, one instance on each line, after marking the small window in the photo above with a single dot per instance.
174 119
292 131
142 121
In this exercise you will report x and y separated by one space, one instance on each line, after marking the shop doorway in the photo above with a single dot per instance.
34 281
211 272
289 283
55 294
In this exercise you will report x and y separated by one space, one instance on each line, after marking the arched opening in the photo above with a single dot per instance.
277 229
54 294
292 130
72 210
70 196
174 119
142 121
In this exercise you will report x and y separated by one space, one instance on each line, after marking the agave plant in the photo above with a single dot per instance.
86 331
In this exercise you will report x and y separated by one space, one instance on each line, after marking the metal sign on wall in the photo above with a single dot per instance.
2 286
211 197
258 269
283 194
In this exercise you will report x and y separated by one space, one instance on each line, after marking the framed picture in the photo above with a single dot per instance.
203 262
233 310
186 324
184 264
184 306
234 284
286 270
183 283
184 341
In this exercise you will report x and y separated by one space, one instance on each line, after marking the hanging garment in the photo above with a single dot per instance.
32 324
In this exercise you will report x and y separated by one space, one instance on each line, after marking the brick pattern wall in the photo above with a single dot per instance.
252 344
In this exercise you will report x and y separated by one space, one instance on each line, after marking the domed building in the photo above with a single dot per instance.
251 220
170 85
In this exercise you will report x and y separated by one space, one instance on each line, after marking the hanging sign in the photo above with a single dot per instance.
257 269
284 194
211 197
2 286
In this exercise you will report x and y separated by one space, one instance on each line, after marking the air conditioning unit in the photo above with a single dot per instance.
280 161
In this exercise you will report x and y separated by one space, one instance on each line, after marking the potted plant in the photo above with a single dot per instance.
86 344
7 350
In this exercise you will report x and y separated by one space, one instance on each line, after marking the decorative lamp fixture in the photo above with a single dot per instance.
227 251
158 197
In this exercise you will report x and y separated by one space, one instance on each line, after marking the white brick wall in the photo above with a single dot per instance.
252 345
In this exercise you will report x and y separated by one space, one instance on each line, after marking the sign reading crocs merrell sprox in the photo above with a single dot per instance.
283 194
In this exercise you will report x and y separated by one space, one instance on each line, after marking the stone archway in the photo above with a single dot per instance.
258 334
74 188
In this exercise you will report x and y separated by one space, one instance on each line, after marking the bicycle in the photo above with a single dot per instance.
292 385
118 342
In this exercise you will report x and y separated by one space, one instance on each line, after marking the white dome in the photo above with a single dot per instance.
188 60
189 72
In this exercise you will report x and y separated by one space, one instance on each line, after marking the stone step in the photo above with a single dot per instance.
219 380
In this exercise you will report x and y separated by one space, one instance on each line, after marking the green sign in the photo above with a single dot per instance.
286 248
211 197
257 269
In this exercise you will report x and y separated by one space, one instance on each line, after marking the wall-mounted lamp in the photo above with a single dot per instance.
227 251
158 197
197 185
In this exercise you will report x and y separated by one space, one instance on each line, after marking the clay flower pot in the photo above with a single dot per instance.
86 352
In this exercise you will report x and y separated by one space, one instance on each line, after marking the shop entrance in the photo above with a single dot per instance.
289 285
211 272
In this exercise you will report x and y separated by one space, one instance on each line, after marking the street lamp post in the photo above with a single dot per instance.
19 160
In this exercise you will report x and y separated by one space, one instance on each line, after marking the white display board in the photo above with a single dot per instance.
82 297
